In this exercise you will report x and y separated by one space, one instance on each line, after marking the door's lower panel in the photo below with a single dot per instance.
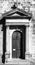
16 53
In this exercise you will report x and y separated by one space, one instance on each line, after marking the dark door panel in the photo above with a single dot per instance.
18 53
13 54
16 44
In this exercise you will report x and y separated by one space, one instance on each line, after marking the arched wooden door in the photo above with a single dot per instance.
16 40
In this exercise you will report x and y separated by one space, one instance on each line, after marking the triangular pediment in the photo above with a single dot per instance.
17 12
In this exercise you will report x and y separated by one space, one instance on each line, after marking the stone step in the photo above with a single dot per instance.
22 62
31 63
28 63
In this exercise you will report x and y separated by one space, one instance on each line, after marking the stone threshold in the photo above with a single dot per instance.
17 61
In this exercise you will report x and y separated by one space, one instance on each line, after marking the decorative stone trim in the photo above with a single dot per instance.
0 58
28 55
7 55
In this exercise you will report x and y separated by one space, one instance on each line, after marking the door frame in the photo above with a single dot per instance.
11 32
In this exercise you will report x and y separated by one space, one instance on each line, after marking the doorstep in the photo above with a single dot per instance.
17 61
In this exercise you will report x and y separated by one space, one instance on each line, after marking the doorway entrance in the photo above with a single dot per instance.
16 44
18 41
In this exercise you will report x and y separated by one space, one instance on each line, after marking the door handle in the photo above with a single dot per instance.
14 49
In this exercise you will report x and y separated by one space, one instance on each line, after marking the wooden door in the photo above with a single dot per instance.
16 39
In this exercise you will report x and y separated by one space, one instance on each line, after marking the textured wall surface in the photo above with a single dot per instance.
5 5
28 6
